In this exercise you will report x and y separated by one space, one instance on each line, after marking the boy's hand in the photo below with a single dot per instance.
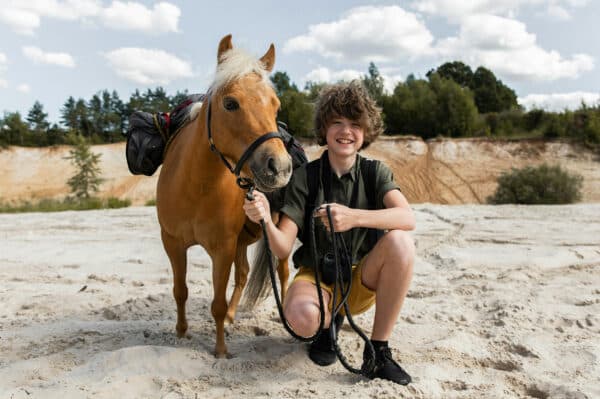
343 217
258 209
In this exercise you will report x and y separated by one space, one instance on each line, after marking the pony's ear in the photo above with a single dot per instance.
224 45
268 59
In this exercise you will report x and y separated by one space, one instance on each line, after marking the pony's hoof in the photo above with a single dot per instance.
223 355
181 331
229 319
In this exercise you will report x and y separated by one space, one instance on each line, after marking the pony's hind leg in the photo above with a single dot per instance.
241 277
284 273
177 254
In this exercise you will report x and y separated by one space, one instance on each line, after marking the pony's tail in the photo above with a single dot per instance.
258 282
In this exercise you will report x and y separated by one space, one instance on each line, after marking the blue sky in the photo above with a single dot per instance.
545 50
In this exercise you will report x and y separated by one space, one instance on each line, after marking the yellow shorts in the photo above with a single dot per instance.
360 299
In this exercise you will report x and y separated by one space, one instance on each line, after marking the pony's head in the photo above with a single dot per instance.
243 108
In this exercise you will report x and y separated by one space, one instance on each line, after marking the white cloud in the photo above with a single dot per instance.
38 55
163 18
24 88
25 17
3 62
148 66
458 10
326 75
504 46
559 101
323 74
378 34
21 21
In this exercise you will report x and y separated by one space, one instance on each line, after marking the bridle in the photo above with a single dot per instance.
245 183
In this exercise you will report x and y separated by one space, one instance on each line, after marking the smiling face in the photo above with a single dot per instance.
344 136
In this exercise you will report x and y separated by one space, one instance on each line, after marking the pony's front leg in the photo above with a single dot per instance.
222 260
177 254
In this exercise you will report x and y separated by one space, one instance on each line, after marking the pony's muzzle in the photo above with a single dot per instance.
271 171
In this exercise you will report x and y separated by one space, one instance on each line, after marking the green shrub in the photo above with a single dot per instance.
113 203
151 202
68 204
537 185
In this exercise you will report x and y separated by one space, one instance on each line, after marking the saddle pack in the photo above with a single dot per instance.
149 135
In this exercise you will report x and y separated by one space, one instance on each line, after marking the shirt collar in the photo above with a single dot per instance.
353 173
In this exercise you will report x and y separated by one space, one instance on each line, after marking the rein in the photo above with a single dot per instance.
243 182
344 293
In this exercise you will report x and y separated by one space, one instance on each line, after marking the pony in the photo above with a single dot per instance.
200 194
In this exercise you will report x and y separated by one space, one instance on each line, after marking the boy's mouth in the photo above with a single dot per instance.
344 141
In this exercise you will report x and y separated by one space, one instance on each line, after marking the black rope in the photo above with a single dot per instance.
367 368
284 321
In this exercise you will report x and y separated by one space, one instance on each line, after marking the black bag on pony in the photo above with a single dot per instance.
146 141
148 135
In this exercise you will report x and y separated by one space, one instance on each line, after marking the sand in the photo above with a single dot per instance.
505 303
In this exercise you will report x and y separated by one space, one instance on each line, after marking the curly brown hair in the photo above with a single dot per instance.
349 100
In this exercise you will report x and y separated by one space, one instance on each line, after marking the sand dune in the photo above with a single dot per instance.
445 171
505 303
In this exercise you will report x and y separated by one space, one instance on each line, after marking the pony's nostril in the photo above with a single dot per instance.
272 166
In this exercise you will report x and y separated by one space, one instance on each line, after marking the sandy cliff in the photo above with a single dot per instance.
459 171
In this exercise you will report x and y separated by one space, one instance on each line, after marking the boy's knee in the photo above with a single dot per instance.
303 317
401 241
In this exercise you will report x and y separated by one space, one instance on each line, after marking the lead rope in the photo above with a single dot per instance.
250 197
367 369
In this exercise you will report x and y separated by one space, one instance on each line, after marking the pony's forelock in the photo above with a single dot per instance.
234 64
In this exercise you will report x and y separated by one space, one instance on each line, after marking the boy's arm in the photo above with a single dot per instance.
396 215
282 236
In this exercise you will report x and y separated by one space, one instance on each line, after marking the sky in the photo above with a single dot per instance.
545 50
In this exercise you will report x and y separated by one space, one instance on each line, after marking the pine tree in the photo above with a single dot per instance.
87 179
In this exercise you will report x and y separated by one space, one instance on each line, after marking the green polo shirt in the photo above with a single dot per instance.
341 191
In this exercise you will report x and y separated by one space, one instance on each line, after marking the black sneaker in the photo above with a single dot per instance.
385 367
321 349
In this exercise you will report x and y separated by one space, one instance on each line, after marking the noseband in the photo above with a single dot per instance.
244 182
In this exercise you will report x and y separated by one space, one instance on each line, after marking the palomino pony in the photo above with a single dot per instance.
198 198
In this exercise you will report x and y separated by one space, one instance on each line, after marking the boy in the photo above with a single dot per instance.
346 121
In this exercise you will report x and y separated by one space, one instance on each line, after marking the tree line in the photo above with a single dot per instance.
450 101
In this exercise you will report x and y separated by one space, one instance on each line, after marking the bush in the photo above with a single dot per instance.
537 185
68 204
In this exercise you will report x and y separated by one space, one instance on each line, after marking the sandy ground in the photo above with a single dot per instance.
505 303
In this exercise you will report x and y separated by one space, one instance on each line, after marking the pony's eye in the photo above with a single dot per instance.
230 104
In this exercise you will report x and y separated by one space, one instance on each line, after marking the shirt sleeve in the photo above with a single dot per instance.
385 182
296 194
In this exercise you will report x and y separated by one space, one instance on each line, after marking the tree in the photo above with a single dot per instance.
455 113
68 116
282 83
373 82
13 130
491 95
297 112
37 118
456 71
87 179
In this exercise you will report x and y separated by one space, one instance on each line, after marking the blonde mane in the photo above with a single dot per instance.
234 64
